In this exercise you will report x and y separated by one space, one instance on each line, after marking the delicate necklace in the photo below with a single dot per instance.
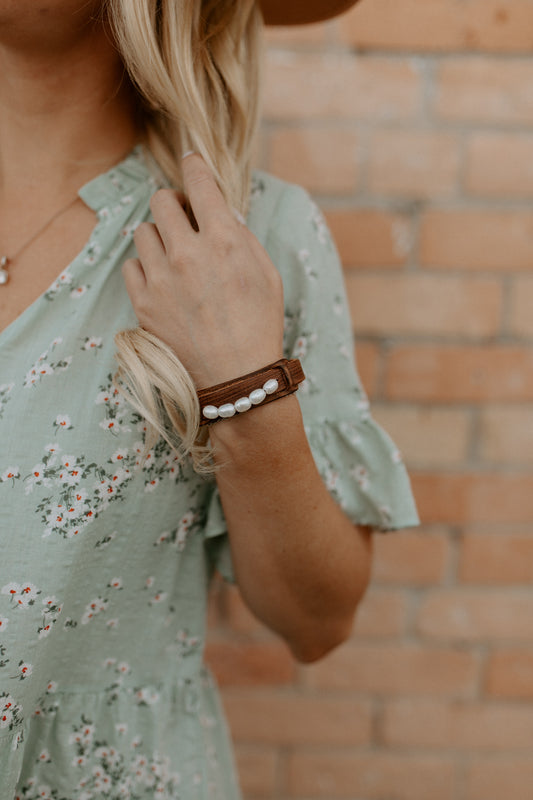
5 260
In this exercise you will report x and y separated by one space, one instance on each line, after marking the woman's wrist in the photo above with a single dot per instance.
247 392
256 436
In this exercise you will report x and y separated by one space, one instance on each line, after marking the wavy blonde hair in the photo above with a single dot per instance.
195 65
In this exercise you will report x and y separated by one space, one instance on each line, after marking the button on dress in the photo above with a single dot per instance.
105 561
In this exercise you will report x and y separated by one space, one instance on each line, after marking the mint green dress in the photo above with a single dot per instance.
105 564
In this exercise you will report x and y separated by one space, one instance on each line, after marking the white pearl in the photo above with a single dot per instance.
271 386
226 411
257 396
4 276
210 412
243 404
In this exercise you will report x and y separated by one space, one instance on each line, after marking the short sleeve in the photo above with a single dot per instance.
359 463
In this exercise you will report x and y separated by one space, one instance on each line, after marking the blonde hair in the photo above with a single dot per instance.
195 65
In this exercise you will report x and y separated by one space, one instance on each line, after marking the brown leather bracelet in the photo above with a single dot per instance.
250 391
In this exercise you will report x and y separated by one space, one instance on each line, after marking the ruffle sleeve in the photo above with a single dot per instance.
359 463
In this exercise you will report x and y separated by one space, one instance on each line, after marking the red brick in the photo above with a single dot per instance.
507 434
381 614
396 669
413 164
490 90
496 779
371 238
257 769
426 437
410 558
473 497
521 303
477 615
374 776
276 718
250 663
458 725
493 559
307 86
424 304
441 25
447 373
456 405
323 160
510 674
472 239
498 165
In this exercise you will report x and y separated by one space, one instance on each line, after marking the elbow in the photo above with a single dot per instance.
324 633
320 641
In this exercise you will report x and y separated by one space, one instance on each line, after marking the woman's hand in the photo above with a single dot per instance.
212 295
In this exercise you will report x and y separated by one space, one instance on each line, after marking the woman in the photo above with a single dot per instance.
109 536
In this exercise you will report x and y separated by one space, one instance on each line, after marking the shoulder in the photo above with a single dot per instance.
278 209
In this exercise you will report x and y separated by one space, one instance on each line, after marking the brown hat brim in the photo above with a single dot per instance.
301 12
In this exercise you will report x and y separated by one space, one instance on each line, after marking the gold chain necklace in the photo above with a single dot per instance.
6 260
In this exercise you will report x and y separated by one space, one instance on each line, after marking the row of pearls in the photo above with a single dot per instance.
243 403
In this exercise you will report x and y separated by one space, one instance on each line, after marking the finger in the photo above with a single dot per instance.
150 247
206 199
134 278
170 219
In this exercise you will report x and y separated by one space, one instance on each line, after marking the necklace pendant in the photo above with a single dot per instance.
4 275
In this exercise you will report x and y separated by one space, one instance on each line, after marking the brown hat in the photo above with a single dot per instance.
299 12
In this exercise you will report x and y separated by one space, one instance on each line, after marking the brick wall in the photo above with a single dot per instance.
411 122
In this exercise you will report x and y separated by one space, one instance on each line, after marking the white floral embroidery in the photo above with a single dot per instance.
338 306
10 474
146 696
363 407
92 343
44 366
10 711
52 610
65 279
25 670
396 456
360 474
93 252
62 422
94 608
157 598
78 292
319 224
345 352
21 595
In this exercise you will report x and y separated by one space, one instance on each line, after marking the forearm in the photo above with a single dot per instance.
217 300
301 564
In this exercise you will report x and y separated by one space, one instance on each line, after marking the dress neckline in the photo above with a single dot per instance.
110 186
105 190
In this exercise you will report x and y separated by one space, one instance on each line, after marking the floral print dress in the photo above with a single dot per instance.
105 562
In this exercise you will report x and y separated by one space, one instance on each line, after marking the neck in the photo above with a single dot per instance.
66 114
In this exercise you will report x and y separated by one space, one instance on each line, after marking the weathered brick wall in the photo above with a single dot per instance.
411 122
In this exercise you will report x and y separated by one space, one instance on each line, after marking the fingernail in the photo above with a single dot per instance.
188 153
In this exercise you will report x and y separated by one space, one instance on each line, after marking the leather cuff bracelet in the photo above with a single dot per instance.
249 391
